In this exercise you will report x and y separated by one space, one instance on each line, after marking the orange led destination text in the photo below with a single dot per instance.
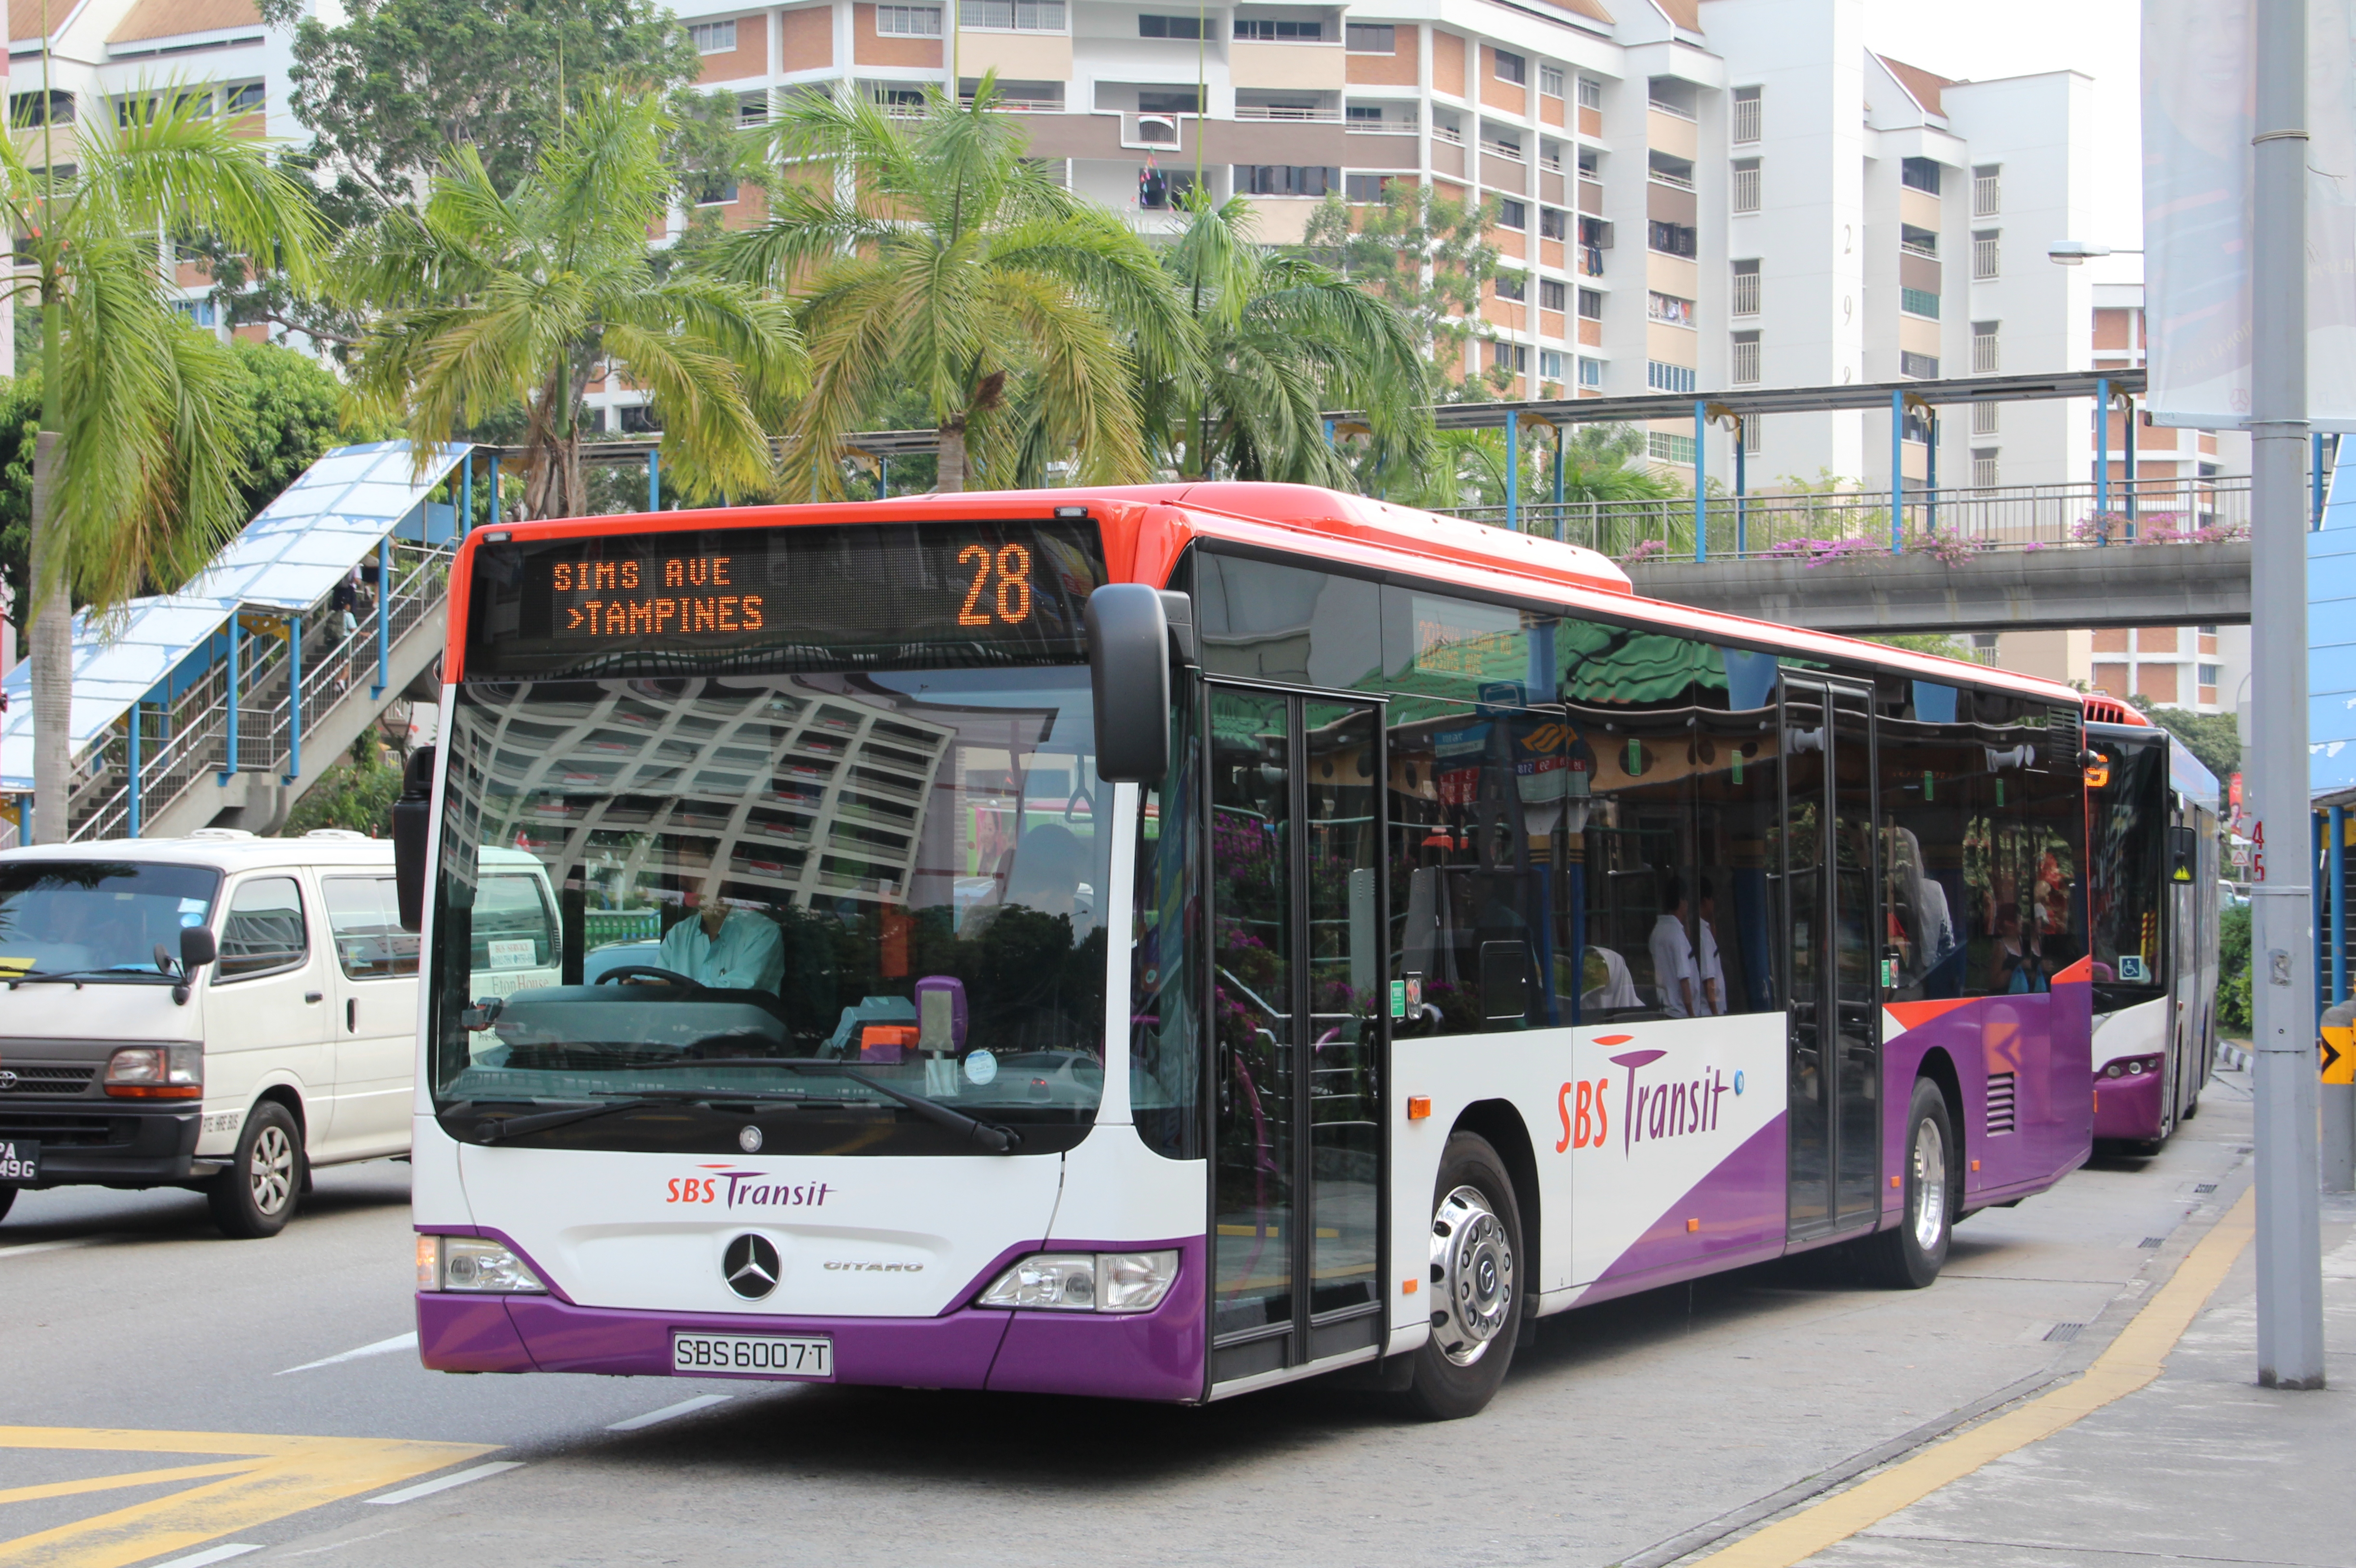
637 599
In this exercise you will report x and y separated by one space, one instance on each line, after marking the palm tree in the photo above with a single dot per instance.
930 252
1600 463
135 469
1284 340
488 300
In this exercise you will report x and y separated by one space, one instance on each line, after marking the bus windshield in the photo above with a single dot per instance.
2128 845
846 912
99 920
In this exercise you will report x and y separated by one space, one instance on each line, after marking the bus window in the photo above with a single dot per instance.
1267 622
2129 819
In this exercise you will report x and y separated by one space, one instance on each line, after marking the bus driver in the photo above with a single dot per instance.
729 949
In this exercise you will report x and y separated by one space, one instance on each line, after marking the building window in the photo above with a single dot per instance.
1590 93
1745 296
1164 190
1551 365
1987 190
1513 286
1590 373
1178 28
2202 470
1283 179
1920 174
1363 114
1513 357
1668 169
1986 361
201 313
1745 185
753 108
1745 362
1554 223
1663 447
1512 214
1590 304
1919 302
1985 262
1662 376
55 107
1746 116
2205 631
908 21
1984 468
247 98
1552 293
2210 674
1984 418
1152 102
1260 30
1671 239
1754 426
1550 79
1918 241
1366 187
714 37
1920 366
1669 308
1371 38
1590 164
1916 428
1013 16
1512 67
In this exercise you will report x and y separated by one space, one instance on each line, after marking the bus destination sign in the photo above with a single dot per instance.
651 596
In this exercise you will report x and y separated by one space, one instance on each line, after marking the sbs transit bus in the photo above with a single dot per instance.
2152 908
1166 942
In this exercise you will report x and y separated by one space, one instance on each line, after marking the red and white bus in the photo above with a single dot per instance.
1165 941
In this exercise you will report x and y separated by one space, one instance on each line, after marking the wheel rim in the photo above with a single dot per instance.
271 1172
1472 1268
1930 1185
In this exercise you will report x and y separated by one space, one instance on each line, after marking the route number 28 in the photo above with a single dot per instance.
1013 564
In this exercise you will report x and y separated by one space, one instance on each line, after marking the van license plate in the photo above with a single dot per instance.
808 1356
20 1163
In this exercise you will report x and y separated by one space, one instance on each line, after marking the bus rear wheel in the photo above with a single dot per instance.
1910 1257
1476 1284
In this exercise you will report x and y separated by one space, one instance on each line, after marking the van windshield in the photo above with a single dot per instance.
110 921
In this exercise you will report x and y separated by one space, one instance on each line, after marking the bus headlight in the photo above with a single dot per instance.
1086 1282
474 1264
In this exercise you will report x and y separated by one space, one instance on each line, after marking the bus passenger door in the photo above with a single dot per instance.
1295 796
1834 920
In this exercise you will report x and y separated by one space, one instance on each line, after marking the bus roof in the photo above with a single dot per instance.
1146 527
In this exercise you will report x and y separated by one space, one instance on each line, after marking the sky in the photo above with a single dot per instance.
1980 39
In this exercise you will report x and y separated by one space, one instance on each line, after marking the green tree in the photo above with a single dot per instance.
2215 738
1428 256
355 794
492 299
1939 643
930 252
1600 463
2233 971
1284 340
388 91
136 472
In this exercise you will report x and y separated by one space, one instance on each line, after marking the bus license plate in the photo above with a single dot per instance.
749 1356
20 1162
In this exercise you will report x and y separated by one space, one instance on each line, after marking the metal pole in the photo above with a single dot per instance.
1701 480
467 495
654 479
2131 469
2289 1251
1897 472
294 698
2103 453
883 478
1931 471
2339 896
495 489
230 771
1513 466
2314 471
1561 435
384 617
131 796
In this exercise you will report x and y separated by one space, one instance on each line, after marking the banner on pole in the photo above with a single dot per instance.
2199 84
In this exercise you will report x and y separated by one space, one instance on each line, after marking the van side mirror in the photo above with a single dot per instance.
197 948
1128 676
413 821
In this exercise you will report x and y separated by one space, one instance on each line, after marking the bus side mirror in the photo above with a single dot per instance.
2183 854
412 820
1129 675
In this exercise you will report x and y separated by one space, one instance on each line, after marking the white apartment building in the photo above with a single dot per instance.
1692 194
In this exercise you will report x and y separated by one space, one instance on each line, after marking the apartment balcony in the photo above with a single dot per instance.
1448 134
1314 116
1675 182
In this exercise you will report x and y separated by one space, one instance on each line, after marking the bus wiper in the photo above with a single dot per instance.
491 1132
996 1140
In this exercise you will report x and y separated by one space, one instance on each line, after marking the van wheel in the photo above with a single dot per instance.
1910 1257
257 1194
1476 1252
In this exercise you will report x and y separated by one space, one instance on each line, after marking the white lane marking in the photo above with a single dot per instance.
684 1407
18 1252
212 1554
443 1483
381 1347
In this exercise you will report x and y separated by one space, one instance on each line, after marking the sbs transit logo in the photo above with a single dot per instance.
730 1190
1646 1111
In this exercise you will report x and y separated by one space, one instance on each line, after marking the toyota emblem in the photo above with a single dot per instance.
750 1267
7 1081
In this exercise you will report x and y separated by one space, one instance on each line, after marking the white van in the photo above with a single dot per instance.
223 1012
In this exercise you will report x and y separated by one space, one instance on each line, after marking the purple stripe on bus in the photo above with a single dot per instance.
468 1334
954 1351
2128 1107
1739 1204
1152 1354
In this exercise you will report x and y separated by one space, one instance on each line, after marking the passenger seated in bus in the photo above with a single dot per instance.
1672 954
2017 971
1609 985
725 947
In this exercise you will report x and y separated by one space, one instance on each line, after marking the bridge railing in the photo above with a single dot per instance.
1967 520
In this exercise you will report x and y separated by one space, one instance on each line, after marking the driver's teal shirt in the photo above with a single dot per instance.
748 954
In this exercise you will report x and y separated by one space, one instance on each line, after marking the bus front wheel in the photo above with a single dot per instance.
1910 1257
1476 1291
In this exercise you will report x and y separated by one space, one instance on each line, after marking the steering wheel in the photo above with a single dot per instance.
650 972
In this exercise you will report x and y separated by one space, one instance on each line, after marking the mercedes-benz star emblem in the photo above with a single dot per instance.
750 1267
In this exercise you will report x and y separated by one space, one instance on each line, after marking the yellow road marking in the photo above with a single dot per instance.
2134 1359
275 1475
133 1479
